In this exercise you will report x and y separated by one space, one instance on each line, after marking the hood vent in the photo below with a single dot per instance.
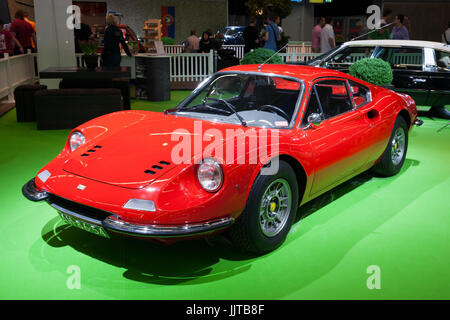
91 151
157 167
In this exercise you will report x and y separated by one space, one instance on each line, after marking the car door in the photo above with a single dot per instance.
439 75
338 142
407 68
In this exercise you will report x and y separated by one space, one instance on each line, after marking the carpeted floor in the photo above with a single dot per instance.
399 226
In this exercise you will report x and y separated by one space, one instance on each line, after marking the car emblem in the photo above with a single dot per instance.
81 187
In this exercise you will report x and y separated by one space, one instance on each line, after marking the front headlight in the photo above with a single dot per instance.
210 175
76 140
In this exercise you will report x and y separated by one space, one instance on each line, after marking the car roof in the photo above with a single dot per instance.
306 73
397 43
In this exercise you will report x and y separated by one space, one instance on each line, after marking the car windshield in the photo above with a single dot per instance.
317 60
248 99
233 32
349 55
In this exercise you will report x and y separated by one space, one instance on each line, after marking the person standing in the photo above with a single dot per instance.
33 24
399 32
6 40
327 37
387 16
111 55
192 43
23 31
82 35
382 33
272 34
206 43
251 36
315 36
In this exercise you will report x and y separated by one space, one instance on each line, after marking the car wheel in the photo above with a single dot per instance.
439 112
395 153
269 212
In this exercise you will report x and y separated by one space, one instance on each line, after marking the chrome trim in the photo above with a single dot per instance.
30 192
418 122
112 223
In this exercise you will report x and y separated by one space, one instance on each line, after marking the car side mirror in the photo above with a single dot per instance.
314 119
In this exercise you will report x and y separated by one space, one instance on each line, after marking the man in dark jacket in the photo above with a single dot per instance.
251 36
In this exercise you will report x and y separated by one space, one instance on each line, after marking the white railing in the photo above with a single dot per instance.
298 57
238 48
294 48
191 66
15 71
299 48
174 49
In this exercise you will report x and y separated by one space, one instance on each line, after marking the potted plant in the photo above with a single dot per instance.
90 55
260 55
373 70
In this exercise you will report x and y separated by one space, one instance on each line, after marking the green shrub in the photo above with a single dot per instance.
372 70
260 55
168 41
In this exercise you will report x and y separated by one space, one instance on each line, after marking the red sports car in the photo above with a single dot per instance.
241 153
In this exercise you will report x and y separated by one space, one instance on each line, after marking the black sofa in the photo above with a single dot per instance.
24 97
122 84
68 108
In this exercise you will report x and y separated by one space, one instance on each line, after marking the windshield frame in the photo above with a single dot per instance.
218 75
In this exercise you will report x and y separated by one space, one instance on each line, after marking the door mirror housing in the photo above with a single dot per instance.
314 119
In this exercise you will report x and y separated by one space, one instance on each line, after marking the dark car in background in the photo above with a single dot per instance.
421 68
233 35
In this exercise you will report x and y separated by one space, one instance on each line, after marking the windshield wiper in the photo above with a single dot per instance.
231 107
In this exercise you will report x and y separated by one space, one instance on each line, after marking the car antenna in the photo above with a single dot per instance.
376 29
259 67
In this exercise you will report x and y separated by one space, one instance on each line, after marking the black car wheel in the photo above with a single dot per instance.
269 212
395 153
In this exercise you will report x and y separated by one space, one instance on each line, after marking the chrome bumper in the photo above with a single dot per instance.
31 193
113 223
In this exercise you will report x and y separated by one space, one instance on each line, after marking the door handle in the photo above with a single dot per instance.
373 114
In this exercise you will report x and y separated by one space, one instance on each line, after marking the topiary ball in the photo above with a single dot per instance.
260 55
372 70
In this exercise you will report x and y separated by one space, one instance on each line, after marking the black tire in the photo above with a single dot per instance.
247 233
439 112
387 166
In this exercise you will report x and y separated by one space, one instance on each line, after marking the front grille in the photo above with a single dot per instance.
78 208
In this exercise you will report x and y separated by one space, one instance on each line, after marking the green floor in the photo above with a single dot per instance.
400 224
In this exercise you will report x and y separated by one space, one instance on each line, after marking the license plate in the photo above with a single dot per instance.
83 225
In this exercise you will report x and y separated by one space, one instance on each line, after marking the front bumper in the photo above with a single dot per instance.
114 223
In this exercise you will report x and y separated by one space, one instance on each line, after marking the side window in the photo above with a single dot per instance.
361 94
333 97
313 107
403 58
329 98
443 59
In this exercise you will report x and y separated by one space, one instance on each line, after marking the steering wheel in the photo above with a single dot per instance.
276 109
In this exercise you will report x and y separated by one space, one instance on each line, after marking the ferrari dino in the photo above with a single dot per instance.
240 154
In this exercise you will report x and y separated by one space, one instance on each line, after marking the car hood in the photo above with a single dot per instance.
134 156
